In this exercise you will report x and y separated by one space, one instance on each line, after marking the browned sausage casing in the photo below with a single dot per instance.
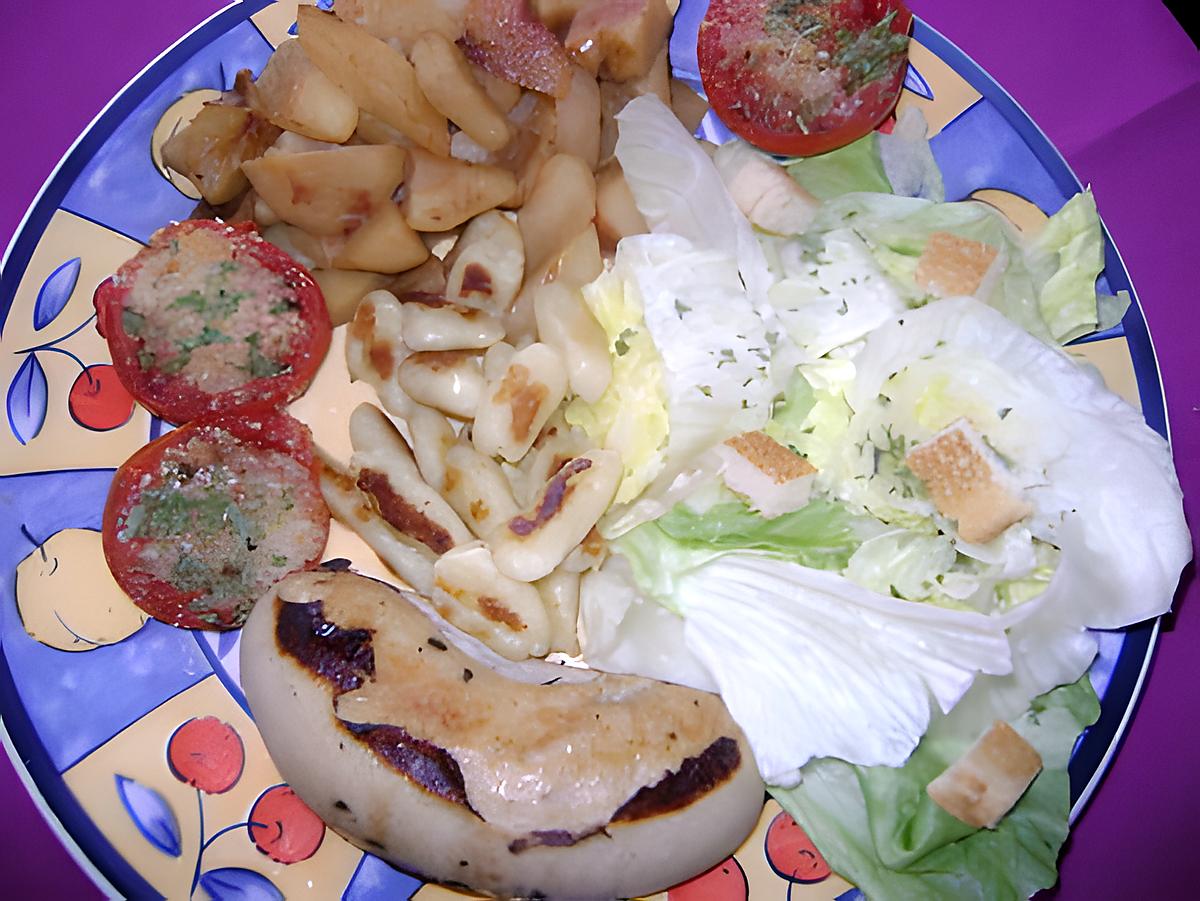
594 786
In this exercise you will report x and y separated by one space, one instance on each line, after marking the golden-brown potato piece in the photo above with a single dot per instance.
384 243
344 288
578 118
297 96
328 192
377 76
689 107
560 206
504 94
446 80
210 149
557 14
441 193
400 22
617 214
619 39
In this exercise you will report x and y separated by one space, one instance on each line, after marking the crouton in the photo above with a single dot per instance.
772 478
983 785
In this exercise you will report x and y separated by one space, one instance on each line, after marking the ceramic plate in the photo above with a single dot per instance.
108 709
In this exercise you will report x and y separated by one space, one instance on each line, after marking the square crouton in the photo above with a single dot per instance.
772 478
967 482
951 266
983 785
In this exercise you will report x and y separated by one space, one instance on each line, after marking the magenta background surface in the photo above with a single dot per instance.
1116 87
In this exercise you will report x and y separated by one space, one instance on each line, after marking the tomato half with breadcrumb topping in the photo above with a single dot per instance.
802 77
210 316
201 522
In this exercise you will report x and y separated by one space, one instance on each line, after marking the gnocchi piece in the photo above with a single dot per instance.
384 243
328 192
385 471
441 325
441 193
566 324
557 444
432 437
495 360
506 615
377 76
487 264
294 94
446 80
560 595
210 150
450 380
475 486
410 560
589 555
513 407
531 545
560 205
578 264
375 349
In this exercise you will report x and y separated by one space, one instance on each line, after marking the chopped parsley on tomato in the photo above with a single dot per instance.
201 522
801 77
210 316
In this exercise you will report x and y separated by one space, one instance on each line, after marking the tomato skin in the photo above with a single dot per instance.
173 398
258 426
871 104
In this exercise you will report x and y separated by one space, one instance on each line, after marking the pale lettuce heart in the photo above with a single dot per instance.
1101 481
832 296
679 191
812 665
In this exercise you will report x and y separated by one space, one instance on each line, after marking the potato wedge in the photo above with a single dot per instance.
400 22
377 76
373 130
209 150
619 39
441 192
578 115
344 288
689 107
446 80
617 214
294 94
504 94
328 192
384 243
561 204
557 14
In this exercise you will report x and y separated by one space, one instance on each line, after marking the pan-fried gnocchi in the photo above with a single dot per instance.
450 216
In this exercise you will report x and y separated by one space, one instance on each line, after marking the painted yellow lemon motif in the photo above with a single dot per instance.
1024 214
178 114
68 599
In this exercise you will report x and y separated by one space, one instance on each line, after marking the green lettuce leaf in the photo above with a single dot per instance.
878 828
822 535
1069 252
855 167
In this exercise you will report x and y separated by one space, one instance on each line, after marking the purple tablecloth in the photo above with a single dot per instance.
1117 88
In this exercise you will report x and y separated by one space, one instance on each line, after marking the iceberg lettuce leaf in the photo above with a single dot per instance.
879 829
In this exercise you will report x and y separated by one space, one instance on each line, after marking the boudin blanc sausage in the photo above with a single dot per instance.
590 786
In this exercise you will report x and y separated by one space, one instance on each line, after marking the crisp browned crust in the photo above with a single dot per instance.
403 516
951 266
965 484
770 457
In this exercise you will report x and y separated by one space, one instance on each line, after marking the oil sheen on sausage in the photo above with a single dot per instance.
588 786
